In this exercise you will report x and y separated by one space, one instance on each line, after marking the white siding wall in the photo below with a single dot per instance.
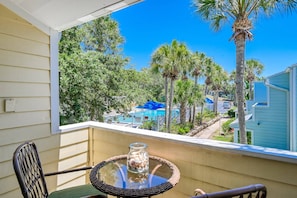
25 76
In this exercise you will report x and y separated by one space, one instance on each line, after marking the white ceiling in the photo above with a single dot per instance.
63 14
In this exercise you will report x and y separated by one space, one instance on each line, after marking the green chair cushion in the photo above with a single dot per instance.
78 191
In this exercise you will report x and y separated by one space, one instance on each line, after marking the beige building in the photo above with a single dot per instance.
29 102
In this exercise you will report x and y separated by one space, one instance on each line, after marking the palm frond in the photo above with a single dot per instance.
217 21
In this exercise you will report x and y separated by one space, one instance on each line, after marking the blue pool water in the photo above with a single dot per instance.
142 115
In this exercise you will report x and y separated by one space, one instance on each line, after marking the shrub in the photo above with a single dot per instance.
231 113
226 126
148 125
207 115
181 129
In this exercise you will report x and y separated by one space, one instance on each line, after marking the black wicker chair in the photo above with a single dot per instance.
255 191
31 179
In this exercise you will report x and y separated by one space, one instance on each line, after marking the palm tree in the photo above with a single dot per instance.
159 63
215 78
219 80
178 57
170 59
253 69
241 13
232 77
197 64
207 72
182 94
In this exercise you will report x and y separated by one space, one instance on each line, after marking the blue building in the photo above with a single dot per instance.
271 117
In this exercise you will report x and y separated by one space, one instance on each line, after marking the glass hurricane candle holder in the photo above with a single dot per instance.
138 158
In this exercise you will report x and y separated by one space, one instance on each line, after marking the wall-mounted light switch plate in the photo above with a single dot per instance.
10 105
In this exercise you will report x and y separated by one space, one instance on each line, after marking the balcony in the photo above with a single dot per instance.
210 165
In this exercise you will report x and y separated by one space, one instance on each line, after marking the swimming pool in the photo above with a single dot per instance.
138 117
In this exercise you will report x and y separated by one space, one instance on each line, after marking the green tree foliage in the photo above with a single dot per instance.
102 35
91 72
84 93
93 78
70 42
140 86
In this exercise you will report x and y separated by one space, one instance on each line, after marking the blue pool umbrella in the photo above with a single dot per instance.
208 100
151 105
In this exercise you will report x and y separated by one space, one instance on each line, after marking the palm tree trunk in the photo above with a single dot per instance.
240 64
194 104
216 99
166 103
183 111
202 106
170 104
193 112
250 90
190 114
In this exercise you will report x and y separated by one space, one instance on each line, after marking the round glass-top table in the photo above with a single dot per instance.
111 176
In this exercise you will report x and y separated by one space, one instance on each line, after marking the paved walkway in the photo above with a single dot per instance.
209 131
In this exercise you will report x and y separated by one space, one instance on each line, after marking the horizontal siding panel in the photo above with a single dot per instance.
44 141
78 181
76 149
186 185
281 80
74 137
8 90
15 74
7 151
273 130
6 168
6 13
24 60
218 177
21 134
49 148
12 120
15 193
171 194
11 43
22 30
108 149
28 104
272 115
65 178
8 184
74 161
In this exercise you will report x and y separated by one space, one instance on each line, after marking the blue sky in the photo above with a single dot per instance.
151 23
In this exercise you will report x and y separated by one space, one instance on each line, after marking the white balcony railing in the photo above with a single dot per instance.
207 164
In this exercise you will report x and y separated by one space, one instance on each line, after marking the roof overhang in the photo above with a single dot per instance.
60 15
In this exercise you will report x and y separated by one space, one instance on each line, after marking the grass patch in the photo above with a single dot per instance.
225 138
225 133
